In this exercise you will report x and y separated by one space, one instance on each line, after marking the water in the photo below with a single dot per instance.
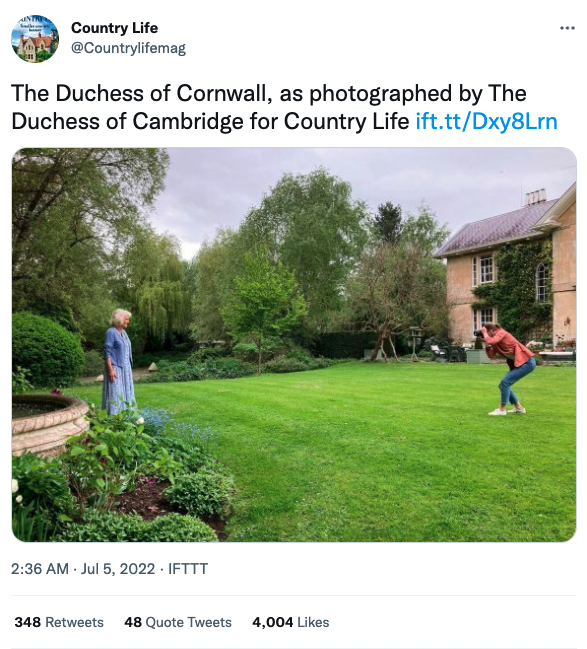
32 408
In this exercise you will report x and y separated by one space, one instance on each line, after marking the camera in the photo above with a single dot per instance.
478 333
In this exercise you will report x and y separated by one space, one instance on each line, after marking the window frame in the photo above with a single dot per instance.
483 272
542 282
473 272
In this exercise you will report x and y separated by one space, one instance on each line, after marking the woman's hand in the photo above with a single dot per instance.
112 375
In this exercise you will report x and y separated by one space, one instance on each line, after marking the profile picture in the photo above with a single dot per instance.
35 39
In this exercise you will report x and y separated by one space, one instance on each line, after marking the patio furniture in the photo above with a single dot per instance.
440 355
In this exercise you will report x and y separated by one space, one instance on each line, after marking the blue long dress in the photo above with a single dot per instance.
119 395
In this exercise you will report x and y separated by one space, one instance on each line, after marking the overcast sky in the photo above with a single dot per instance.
211 188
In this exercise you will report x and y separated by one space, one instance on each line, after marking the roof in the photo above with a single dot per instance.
37 40
549 220
510 226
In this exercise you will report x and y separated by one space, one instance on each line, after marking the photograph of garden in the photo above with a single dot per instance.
293 345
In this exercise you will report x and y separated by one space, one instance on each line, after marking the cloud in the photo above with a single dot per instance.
212 188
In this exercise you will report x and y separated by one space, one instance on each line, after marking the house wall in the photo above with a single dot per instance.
460 297
564 275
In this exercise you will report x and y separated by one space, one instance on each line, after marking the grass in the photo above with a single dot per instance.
397 452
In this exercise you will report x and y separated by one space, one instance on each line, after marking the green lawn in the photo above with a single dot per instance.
397 452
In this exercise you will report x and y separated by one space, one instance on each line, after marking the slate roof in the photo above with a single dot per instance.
496 229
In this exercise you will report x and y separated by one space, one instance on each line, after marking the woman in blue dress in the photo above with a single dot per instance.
118 391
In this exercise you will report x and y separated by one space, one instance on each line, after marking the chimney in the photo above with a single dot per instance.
535 197
39 34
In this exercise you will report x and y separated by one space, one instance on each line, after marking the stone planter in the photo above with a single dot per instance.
46 433
477 356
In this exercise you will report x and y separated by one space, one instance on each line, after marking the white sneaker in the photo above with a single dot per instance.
515 411
497 412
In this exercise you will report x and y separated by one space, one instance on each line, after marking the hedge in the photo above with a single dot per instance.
52 354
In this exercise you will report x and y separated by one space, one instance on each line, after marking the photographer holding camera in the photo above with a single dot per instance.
519 358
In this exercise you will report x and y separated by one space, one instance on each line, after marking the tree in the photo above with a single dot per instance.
423 229
311 224
153 282
265 302
399 284
214 269
388 222
73 212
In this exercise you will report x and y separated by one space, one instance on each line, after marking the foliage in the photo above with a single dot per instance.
145 360
42 484
206 353
311 224
20 380
104 526
93 363
214 267
72 210
283 364
424 231
29 524
396 286
213 368
265 301
154 283
388 222
206 493
52 354
344 344
102 461
174 528
514 292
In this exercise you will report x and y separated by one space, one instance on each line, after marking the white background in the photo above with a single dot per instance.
509 595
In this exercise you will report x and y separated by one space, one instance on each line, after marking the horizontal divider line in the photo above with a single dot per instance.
273 595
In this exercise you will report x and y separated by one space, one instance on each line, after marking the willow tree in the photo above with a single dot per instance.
215 267
70 208
153 281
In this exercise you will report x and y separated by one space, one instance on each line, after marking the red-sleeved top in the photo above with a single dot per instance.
503 343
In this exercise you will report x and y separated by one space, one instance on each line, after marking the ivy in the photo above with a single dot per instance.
514 292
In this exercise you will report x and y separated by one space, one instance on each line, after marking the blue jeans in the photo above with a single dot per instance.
505 386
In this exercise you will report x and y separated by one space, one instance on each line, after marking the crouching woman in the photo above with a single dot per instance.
519 358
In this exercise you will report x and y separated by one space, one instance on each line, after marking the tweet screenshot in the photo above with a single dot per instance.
294 325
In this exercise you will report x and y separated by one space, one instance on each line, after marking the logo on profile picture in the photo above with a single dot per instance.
35 39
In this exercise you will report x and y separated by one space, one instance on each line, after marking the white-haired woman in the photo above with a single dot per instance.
118 391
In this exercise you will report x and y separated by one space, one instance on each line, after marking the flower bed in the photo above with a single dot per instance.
99 488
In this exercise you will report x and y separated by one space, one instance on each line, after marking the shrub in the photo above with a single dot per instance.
206 353
94 363
224 368
174 528
42 483
107 526
52 354
104 526
283 365
20 380
207 493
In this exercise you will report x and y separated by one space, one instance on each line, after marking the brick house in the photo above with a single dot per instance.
471 262
31 45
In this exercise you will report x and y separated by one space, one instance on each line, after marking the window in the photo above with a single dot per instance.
482 317
473 271
542 282
486 264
